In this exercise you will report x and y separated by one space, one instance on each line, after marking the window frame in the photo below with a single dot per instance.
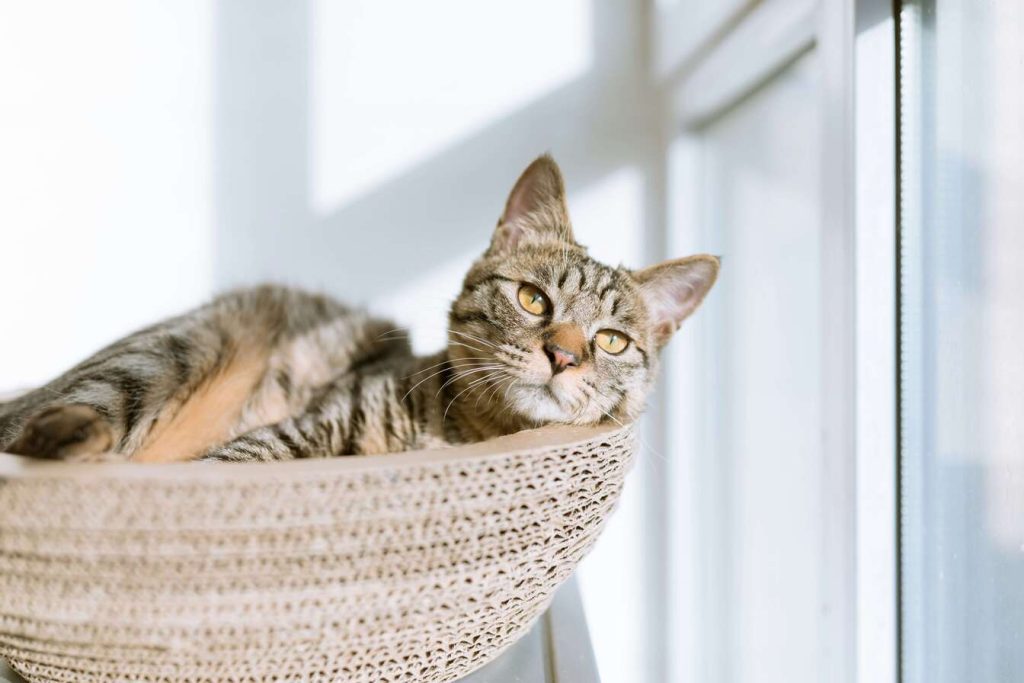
855 42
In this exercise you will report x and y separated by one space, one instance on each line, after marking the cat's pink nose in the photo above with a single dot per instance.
560 358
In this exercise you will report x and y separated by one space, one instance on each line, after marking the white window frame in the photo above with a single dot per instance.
855 45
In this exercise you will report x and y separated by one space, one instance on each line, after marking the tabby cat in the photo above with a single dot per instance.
540 334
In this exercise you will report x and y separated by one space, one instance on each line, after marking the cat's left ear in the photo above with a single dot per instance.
536 208
674 289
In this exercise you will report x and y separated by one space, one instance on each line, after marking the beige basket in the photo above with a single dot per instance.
415 567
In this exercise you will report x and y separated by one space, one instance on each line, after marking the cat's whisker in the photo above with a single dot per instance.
513 380
425 379
395 336
491 374
477 349
466 374
433 374
475 338
463 374
493 391
639 437
605 412
580 403
482 381
493 380
506 386
489 387
469 388
402 330
402 333
470 360
455 398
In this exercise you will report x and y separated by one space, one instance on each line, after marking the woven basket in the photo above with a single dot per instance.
415 567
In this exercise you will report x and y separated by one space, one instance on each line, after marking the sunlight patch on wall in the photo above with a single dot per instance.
387 93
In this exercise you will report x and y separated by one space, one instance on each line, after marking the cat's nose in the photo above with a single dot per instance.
560 358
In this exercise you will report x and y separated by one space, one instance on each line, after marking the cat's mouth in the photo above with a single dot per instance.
539 395
546 401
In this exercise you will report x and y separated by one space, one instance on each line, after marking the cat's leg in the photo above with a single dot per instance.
106 404
109 403
332 424
357 411
290 439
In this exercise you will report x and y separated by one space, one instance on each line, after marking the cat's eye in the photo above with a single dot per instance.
533 300
612 341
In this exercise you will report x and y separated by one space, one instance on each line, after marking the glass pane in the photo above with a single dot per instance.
752 494
962 340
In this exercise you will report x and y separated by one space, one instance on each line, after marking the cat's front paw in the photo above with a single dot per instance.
63 432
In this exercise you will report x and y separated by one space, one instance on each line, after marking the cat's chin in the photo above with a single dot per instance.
539 403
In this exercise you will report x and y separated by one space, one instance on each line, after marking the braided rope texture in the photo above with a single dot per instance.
415 567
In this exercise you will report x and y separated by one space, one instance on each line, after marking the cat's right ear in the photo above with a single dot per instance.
536 209
674 289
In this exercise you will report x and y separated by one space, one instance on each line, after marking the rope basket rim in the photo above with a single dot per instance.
538 440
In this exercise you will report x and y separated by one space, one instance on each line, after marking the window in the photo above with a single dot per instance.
753 507
962 335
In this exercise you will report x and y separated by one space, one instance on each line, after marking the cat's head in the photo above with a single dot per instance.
543 333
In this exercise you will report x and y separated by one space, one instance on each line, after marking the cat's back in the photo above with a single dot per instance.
247 358
303 327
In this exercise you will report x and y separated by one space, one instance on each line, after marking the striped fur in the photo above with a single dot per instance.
274 373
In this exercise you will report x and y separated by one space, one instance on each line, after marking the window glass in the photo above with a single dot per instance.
962 340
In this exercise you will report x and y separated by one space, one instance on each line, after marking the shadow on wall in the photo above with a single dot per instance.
445 205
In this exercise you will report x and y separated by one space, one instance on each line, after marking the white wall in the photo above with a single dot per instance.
105 174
